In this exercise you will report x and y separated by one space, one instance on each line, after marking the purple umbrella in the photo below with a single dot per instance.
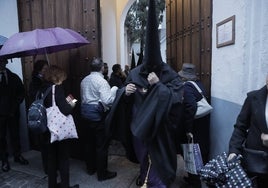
41 41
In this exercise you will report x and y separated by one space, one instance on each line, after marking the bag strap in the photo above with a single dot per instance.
196 86
46 93
190 140
53 96
42 97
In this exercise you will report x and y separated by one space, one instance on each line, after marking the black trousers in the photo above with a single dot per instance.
58 159
10 125
96 151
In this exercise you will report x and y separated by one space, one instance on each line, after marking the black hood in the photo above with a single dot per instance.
152 59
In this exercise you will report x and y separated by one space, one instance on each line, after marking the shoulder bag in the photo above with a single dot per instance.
203 107
255 161
61 127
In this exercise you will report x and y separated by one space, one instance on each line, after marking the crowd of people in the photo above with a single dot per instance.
167 98
149 109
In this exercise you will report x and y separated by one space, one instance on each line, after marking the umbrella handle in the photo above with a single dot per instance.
34 58
47 57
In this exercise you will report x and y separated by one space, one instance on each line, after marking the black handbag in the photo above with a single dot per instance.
255 161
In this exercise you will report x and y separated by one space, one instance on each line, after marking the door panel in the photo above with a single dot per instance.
168 31
193 37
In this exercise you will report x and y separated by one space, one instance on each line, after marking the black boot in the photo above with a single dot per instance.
21 160
74 186
139 182
5 166
106 175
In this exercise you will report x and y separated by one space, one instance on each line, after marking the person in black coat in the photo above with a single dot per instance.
249 133
105 71
117 77
196 129
39 68
142 113
58 151
11 96
126 71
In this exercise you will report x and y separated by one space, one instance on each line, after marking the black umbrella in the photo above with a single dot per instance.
222 173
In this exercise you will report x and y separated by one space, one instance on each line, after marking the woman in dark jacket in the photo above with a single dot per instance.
249 130
58 152
196 129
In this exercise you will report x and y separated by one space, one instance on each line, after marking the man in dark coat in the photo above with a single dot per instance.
146 112
11 95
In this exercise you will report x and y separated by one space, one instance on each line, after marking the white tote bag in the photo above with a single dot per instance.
203 107
61 127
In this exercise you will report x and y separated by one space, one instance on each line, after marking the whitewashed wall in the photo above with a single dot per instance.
108 29
238 68
113 14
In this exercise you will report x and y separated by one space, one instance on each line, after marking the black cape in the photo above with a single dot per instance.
157 119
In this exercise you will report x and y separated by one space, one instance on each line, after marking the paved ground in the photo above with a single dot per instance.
32 176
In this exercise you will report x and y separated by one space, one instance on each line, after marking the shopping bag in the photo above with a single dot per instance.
192 158
61 127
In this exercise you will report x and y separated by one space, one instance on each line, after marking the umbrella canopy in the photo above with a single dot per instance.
2 40
41 41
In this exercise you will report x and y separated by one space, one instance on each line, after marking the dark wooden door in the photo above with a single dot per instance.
79 15
189 36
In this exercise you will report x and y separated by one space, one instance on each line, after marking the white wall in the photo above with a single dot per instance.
238 68
113 36
108 27
122 9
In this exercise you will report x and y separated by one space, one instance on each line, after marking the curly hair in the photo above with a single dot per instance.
55 74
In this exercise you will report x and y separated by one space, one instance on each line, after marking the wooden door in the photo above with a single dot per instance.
79 15
189 36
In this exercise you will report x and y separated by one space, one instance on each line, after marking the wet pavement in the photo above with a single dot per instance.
32 176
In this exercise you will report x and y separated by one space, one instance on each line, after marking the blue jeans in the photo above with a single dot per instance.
92 112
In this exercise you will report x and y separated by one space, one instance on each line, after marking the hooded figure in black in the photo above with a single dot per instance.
146 112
